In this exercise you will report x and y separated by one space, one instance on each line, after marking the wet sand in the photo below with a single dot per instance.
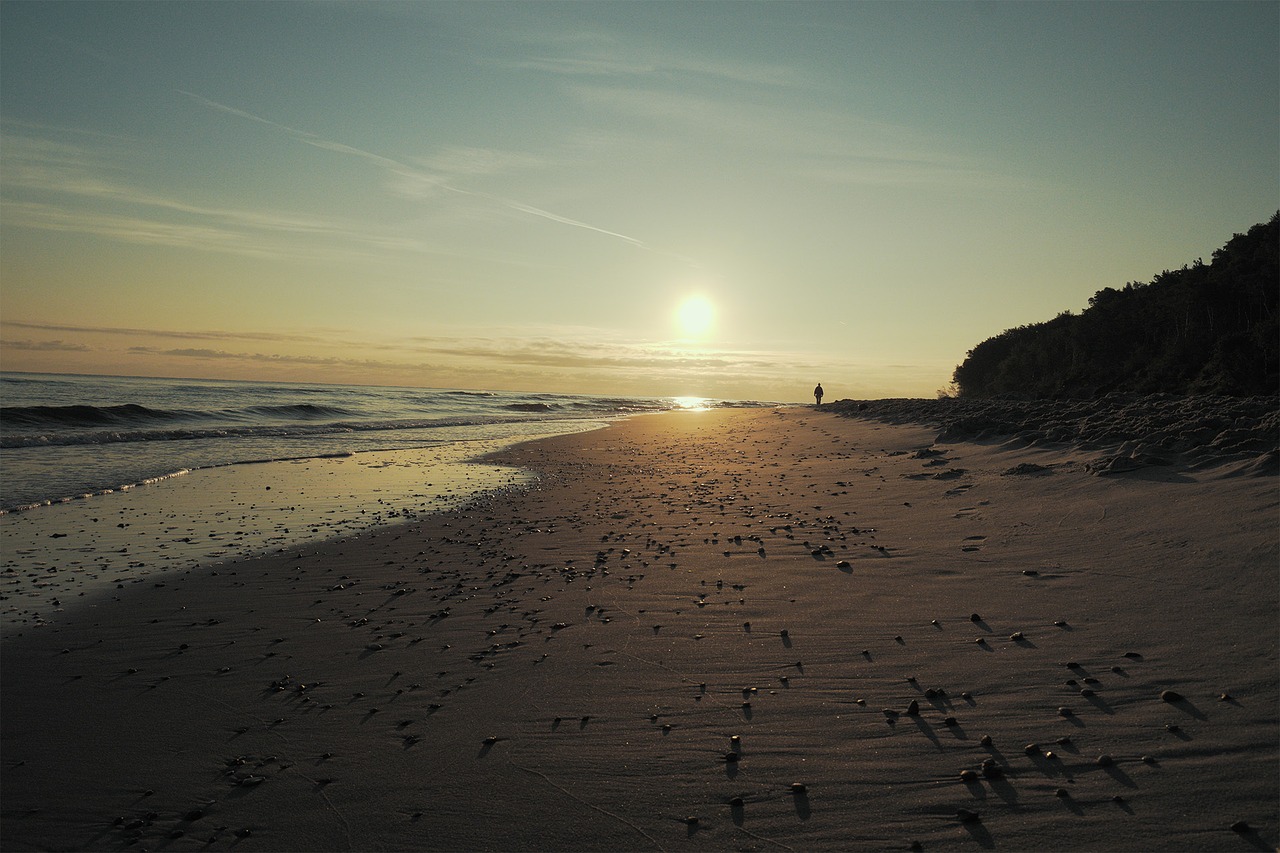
713 630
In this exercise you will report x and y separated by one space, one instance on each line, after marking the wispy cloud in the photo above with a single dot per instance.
44 346
418 177
167 333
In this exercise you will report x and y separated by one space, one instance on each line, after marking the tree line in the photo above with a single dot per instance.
1203 329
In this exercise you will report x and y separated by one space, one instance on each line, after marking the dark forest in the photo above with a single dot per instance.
1202 329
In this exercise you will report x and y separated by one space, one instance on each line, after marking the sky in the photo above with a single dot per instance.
720 199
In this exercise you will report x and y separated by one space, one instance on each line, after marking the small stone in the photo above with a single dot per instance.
968 776
967 816
798 788
1063 741
490 740
1224 697
1065 712
736 803
1105 760
1117 799
1062 792
913 710
985 740
1172 727
1171 696
975 618
991 769
1085 691
1016 636
1240 826
1031 749
950 721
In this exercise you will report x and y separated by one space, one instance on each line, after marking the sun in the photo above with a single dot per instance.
695 316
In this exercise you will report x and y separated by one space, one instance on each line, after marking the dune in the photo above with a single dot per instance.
736 629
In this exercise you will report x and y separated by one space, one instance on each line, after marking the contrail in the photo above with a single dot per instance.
403 169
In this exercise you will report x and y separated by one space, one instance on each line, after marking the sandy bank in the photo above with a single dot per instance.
704 630
1157 429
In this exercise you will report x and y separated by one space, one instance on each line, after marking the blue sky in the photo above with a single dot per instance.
521 196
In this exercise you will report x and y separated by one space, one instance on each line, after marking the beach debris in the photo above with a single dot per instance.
1105 760
985 740
974 617
968 776
913 709
1064 711
1171 696
799 788
1017 636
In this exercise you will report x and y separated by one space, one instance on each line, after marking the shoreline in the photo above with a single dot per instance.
563 667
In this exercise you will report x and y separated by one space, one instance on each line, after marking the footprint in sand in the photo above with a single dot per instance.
973 543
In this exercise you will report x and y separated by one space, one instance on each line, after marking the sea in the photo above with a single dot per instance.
70 437
107 480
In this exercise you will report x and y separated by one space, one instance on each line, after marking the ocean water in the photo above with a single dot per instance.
111 481
66 437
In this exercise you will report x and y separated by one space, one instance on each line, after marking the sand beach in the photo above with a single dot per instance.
746 629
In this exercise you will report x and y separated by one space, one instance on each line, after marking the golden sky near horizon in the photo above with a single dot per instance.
731 200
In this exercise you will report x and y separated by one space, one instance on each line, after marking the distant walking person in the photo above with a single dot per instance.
817 394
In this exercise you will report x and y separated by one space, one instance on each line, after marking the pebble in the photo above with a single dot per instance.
968 776
1171 696
1240 826
913 710
985 740
967 816
798 788
1065 712
975 618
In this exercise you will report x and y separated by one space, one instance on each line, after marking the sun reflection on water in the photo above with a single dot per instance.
692 404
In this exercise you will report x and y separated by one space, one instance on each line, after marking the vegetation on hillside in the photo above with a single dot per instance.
1203 329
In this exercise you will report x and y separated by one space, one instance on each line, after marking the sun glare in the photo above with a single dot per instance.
695 316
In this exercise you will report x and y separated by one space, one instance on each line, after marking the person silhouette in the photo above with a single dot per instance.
817 394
